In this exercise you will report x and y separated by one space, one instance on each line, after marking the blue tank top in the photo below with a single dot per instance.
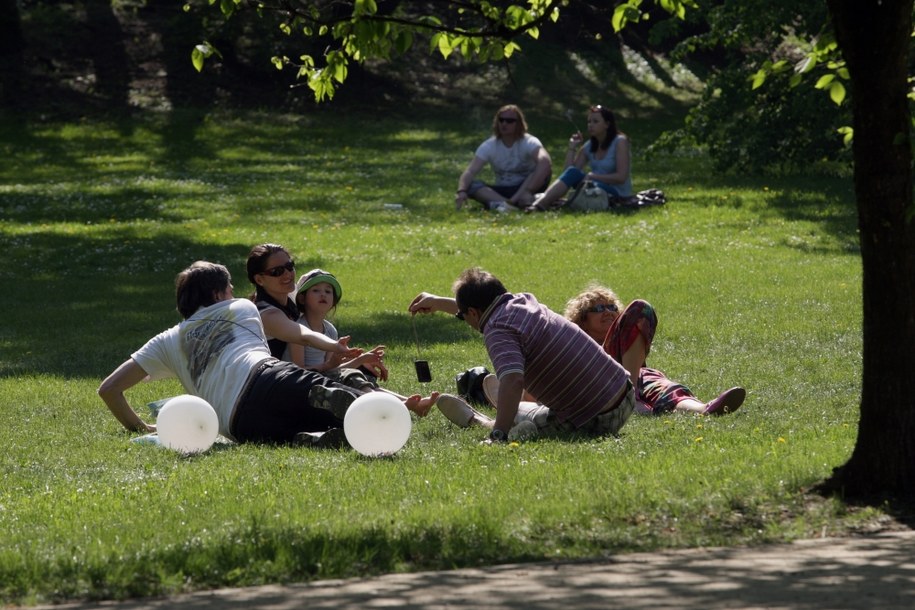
607 165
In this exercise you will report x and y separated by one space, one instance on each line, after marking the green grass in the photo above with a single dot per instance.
756 281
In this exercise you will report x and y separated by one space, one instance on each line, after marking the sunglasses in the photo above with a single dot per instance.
509 120
603 308
279 269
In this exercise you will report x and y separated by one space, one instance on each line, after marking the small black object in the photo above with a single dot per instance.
498 436
470 384
423 374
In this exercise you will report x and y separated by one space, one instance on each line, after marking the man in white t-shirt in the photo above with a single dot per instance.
521 165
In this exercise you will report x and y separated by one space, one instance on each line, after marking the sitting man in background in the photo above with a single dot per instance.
520 162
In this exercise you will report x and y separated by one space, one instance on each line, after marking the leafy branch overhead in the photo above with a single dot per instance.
478 30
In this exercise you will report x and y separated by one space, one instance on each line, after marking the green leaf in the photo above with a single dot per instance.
758 79
197 59
625 13
824 81
837 92
359 8
509 49
848 134
227 7
444 45
806 65
403 41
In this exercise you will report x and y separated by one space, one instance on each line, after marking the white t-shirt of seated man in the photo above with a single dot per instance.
510 164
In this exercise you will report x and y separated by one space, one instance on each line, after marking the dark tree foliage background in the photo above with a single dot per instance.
116 57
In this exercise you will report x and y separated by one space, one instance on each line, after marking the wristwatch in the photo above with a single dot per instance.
498 436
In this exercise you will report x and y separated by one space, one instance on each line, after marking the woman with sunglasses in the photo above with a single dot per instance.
626 334
272 271
607 154
521 164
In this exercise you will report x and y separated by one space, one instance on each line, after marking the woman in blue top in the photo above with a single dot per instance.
607 153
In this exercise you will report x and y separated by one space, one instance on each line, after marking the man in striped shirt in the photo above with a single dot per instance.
579 388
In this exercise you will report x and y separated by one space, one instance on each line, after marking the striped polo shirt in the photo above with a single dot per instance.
562 366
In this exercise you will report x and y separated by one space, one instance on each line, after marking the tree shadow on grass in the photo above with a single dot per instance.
102 298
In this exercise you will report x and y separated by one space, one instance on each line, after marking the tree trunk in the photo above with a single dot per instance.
874 39
12 44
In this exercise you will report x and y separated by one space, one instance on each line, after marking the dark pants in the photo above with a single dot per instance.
275 405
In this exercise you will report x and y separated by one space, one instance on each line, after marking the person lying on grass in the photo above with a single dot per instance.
582 389
219 352
626 333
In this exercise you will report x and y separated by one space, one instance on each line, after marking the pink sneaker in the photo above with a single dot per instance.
728 402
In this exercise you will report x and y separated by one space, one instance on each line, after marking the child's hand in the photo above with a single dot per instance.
345 350
333 361
373 360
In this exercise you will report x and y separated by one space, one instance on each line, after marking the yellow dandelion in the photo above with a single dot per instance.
698 439
781 440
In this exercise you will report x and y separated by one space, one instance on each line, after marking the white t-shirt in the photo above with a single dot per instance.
314 356
211 353
511 164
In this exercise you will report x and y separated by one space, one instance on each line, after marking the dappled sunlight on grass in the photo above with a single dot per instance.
756 283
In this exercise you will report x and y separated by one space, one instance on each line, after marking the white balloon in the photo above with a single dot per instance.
187 424
377 424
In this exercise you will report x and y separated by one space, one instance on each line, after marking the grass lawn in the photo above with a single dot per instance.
757 282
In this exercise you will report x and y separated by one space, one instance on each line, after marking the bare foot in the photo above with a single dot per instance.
420 405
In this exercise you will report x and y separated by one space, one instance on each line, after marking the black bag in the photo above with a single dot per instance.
470 384
640 200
